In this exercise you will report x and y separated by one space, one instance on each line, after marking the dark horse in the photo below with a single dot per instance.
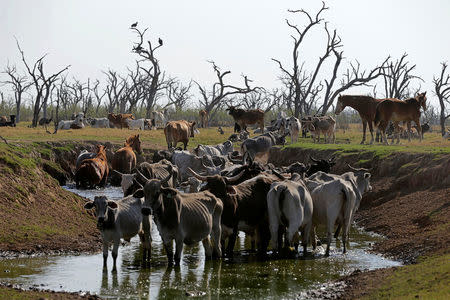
397 111
366 106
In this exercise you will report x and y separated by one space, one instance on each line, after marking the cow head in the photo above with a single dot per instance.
218 185
134 142
152 193
127 183
323 165
101 204
191 129
231 110
363 178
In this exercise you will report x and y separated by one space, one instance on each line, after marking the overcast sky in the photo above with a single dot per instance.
240 36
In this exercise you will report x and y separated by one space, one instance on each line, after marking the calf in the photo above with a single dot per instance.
290 205
325 125
185 218
121 219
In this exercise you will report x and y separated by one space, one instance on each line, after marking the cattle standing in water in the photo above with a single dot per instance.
93 171
289 204
121 219
247 117
82 156
178 131
185 218
124 159
244 202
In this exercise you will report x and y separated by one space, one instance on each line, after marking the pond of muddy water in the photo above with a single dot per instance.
244 277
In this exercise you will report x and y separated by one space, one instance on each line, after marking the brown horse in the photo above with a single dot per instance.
203 118
124 159
93 171
397 111
366 106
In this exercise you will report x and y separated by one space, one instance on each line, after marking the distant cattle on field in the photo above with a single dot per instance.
179 131
119 120
247 117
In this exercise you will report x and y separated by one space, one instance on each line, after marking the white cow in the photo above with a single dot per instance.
294 127
78 123
121 219
136 124
289 203
160 118
335 202
98 122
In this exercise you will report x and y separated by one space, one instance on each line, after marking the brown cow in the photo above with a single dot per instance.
396 110
93 171
178 131
124 159
203 118
119 120
247 117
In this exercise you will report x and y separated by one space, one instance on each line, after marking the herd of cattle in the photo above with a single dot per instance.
214 192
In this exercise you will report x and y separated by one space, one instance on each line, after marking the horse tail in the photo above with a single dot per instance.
377 119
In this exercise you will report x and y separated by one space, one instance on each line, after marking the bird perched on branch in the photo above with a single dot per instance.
134 25
137 48
160 41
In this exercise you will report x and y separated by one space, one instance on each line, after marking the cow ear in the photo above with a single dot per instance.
89 205
112 204
139 193
231 190
367 175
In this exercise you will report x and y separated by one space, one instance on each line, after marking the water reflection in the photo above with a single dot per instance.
244 277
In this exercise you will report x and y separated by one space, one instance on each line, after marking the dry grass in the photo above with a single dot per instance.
154 139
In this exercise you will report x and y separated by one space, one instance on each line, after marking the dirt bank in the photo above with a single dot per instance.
409 205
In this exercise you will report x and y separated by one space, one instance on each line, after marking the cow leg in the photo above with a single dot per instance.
408 125
178 250
329 237
338 230
185 145
208 249
364 122
168 247
115 251
274 232
216 234
105 254
231 242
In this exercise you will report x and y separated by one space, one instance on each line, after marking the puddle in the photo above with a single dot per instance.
242 278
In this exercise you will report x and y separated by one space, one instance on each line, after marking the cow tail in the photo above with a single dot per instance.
349 202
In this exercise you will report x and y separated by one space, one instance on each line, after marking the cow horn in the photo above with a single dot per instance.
121 174
358 169
142 175
314 160
234 161
278 174
199 177
235 178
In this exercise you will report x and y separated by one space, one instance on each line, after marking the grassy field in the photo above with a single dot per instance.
347 140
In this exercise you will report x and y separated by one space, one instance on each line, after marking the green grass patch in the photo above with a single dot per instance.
428 279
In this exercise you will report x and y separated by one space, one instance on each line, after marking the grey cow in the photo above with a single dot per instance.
260 144
185 218
220 149
184 160
121 219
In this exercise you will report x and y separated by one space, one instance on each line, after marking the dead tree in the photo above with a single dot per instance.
351 78
302 82
178 94
442 91
265 100
397 78
98 95
147 53
42 83
81 93
19 85
220 91
114 89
